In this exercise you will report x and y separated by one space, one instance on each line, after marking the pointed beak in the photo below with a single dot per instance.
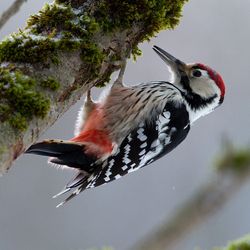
177 66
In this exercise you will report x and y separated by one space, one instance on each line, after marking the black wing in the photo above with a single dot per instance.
144 145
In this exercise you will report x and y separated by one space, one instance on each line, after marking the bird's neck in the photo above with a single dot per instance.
198 106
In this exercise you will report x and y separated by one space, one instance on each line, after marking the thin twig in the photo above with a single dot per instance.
10 12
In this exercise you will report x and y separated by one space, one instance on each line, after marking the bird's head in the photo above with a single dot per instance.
202 87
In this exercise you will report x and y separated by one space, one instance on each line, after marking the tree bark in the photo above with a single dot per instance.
77 44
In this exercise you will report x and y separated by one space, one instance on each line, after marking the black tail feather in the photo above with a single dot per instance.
71 196
70 154
78 180
74 159
78 184
66 153
53 148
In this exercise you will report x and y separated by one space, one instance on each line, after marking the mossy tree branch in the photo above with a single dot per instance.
68 47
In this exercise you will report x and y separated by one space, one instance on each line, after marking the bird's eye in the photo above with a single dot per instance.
197 73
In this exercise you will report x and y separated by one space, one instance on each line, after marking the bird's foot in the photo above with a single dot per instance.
119 80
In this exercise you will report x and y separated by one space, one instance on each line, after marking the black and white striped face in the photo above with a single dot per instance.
193 78
204 90
205 81
201 83
202 87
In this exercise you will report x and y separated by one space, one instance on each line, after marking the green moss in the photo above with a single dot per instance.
54 29
136 52
20 101
101 83
241 244
21 49
93 56
235 159
61 18
155 15
18 122
58 28
51 16
50 83
4 111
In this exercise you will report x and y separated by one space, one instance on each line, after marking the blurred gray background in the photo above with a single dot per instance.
123 212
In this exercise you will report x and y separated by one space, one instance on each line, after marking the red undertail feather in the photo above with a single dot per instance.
94 136
97 142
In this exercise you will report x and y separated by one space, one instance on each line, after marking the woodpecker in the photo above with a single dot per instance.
132 126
